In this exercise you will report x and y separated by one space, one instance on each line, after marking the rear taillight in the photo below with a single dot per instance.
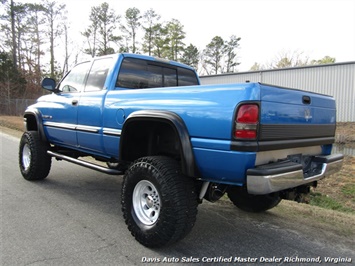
246 122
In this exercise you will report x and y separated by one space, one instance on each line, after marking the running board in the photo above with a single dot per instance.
85 163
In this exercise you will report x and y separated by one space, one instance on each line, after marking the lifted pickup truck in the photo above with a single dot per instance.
177 142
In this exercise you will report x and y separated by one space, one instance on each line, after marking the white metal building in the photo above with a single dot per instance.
336 79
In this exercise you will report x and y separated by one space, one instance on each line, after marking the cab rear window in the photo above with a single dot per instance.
141 74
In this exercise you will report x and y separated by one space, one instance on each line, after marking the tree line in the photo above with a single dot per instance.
36 41
292 59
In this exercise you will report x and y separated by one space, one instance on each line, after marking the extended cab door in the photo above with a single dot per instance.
90 106
60 116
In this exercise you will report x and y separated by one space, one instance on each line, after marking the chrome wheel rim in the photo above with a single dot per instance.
26 157
146 202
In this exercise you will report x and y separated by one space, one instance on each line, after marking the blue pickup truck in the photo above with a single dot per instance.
177 142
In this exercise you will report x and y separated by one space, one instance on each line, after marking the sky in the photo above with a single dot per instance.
268 28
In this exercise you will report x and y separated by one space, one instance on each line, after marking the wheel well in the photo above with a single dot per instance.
31 123
149 133
34 123
149 138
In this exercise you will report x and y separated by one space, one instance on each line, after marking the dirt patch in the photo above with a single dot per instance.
13 122
345 133
334 225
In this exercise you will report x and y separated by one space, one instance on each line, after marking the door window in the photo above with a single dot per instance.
74 80
98 73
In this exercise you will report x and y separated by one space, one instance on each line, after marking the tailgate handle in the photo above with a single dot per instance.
306 99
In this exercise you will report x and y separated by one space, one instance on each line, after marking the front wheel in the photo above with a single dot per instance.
159 203
34 161
252 203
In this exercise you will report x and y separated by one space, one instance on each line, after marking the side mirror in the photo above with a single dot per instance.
48 84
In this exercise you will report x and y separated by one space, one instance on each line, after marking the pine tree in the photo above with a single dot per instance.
100 34
214 53
133 24
191 56
151 30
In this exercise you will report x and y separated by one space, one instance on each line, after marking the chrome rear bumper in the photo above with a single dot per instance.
280 176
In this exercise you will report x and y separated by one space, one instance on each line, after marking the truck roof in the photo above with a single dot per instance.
156 59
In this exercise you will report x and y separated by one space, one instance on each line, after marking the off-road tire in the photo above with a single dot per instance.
252 203
34 161
155 187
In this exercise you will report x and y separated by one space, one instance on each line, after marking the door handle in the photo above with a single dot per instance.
74 102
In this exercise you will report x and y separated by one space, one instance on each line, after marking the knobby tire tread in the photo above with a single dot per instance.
40 163
179 201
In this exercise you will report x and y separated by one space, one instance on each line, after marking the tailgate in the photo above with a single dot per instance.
295 115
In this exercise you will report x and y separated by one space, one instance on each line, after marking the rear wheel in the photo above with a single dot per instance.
34 161
252 203
159 203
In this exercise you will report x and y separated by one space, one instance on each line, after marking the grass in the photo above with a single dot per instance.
324 201
337 192
349 190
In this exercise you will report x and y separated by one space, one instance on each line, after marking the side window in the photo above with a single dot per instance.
134 75
187 77
74 80
98 73
153 77
170 77
141 74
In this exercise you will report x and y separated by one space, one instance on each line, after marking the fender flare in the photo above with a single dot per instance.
175 121
38 116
